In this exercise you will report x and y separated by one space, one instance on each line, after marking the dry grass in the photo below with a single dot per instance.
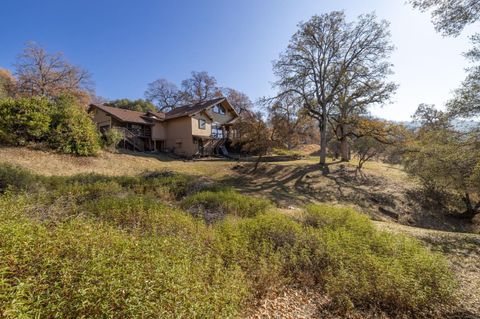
48 163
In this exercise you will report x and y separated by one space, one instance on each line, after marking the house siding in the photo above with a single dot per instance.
179 136
101 118
207 132
221 118
159 131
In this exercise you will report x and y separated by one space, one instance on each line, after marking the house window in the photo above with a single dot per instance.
219 109
217 132
202 124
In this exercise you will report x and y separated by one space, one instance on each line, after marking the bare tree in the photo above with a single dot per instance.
321 57
50 75
200 87
164 94
450 16
239 100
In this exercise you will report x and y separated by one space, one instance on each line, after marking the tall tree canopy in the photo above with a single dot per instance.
133 105
323 58
239 100
450 16
466 101
51 75
199 87
164 94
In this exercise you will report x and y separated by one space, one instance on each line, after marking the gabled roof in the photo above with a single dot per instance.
130 116
192 109
148 117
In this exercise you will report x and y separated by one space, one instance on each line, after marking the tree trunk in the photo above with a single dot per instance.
470 211
257 162
323 142
344 149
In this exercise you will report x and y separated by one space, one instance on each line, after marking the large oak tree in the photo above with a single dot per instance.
322 56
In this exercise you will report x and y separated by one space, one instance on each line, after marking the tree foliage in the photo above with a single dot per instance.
61 124
466 101
450 16
239 100
253 135
72 130
132 105
8 84
289 121
24 120
446 160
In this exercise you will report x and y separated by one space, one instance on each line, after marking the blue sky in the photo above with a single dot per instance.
127 44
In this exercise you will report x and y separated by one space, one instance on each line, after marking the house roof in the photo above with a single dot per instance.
149 116
192 109
128 115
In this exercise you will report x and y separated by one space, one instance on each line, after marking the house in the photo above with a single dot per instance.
197 129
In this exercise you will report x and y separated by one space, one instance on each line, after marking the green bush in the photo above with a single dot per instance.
143 214
112 137
16 178
72 130
24 120
367 267
225 201
98 246
82 269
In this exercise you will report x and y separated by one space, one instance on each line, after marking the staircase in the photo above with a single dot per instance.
132 139
220 148
215 147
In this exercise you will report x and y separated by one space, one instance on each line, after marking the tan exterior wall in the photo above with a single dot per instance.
159 131
221 118
195 125
101 118
179 136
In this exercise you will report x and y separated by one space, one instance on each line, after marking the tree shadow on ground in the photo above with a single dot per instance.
302 184
376 195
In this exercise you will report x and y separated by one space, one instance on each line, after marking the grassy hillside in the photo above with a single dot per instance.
204 191
170 245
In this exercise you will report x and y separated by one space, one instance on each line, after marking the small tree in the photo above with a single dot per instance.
253 135
367 148
112 137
